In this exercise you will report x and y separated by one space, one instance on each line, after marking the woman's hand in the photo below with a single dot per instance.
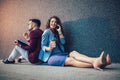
51 46
59 29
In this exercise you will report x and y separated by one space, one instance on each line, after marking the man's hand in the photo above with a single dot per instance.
16 42
26 35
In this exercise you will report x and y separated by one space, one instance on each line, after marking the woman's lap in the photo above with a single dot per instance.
58 59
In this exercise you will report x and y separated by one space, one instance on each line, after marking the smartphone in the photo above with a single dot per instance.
57 27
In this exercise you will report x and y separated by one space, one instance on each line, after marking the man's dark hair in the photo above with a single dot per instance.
37 21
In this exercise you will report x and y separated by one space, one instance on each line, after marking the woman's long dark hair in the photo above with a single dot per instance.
58 21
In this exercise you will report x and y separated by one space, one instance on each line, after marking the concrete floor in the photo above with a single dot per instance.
27 71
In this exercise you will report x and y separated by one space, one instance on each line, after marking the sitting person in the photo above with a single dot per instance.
52 51
28 52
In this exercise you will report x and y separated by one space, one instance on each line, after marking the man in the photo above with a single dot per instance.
31 51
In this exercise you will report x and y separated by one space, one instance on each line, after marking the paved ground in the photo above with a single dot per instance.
27 71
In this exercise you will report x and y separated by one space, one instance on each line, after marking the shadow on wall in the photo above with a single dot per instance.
91 36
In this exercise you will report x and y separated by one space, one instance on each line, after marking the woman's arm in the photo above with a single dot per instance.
45 42
62 40
61 34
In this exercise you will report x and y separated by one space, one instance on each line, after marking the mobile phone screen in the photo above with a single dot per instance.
57 27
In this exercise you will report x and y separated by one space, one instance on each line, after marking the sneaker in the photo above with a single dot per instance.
8 62
19 60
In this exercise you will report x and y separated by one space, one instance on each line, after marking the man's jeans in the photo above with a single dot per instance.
18 50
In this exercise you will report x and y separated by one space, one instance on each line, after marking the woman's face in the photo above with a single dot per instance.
53 23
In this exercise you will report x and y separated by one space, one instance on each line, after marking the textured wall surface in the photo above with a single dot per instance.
90 26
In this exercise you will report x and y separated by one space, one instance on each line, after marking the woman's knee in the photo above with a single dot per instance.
73 53
69 61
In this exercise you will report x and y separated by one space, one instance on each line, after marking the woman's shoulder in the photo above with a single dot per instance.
47 31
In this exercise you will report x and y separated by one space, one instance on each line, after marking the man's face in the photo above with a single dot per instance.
30 25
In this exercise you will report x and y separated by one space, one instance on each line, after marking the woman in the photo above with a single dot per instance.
53 50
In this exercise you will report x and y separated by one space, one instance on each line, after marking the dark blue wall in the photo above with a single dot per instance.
91 36
99 31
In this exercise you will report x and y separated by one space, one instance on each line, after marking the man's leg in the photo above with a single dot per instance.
16 50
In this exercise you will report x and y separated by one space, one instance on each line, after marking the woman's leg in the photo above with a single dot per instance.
70 61
96 62
81 57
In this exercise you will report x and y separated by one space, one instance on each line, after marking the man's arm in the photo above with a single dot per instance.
32 42
26 36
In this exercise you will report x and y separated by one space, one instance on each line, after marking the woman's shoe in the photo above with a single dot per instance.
108 61
100 61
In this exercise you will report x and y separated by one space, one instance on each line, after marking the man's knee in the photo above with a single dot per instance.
16 47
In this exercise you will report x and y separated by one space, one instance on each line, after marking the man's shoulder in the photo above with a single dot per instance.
39 30
36 32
